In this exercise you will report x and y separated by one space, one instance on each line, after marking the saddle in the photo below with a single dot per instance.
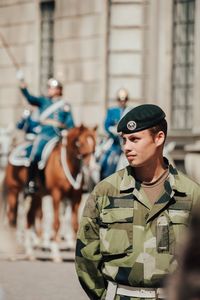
21 155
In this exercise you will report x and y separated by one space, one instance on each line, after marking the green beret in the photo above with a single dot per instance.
141 117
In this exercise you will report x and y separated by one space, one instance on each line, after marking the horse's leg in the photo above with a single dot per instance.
76 200
47 211
12 207
31 239
75 208
66 224
35 215
21 219
56 196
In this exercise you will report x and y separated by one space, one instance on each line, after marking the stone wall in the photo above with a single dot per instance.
80 30
99 46
18 28
79 55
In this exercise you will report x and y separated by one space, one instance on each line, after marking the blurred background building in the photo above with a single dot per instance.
150 47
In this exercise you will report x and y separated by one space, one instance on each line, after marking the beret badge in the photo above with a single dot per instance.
131 125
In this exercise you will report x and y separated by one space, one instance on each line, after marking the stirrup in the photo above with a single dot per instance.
30 188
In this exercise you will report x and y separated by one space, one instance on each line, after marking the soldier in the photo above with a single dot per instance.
112 148
55 116
134 220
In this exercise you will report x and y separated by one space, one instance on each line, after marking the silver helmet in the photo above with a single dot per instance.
122 94
54 83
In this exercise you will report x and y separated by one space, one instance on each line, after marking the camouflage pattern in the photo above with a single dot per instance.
126 239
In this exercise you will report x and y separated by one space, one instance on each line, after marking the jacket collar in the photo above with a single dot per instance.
129 183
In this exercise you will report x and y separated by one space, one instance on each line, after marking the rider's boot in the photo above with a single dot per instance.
31 188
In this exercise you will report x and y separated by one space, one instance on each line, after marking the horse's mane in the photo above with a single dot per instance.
75 132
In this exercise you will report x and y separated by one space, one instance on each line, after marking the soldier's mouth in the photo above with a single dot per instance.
130 156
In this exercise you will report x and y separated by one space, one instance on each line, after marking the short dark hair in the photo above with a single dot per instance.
162 126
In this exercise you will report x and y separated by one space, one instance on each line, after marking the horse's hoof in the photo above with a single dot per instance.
12 258
46 245
70 245
55 253
57 260
31 257
16 257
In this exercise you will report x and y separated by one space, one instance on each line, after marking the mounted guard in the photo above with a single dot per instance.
111 150
54 116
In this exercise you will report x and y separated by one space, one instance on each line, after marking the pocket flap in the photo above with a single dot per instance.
179 216
117 215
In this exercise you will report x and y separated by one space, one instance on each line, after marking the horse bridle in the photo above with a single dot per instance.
81 156
76 183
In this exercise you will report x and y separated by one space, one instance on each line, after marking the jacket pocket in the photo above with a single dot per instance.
162 234
116 231
179 220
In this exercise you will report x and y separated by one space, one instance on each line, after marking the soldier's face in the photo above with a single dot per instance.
122 103
53 92
141 148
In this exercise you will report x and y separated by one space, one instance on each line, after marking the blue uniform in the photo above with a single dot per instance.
29 123
61 114
113 116
111 156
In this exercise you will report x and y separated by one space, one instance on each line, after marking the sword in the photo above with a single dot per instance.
11 56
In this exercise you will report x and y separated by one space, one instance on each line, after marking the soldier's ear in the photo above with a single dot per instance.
160 138
95 127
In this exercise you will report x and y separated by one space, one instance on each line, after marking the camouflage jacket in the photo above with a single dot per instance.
126 239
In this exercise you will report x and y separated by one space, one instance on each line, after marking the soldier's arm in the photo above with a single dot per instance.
108 122
88 257
109 125
33 100
69 121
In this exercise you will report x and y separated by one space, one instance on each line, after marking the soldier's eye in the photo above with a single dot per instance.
123 141
134 140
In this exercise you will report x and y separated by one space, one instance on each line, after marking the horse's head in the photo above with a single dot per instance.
81 142
78 160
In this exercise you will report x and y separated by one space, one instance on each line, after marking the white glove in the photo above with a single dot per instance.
20 75
64 133
113 129
26 113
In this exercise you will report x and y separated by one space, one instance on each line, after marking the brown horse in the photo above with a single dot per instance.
63 178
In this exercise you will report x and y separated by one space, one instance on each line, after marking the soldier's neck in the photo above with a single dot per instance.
151 172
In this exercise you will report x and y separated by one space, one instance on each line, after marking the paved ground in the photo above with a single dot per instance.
39 280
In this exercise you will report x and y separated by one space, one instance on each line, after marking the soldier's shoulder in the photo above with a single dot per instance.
45 99
113 109
110 185
187 183
65 104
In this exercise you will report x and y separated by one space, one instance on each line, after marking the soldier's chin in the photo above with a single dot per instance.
133 163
